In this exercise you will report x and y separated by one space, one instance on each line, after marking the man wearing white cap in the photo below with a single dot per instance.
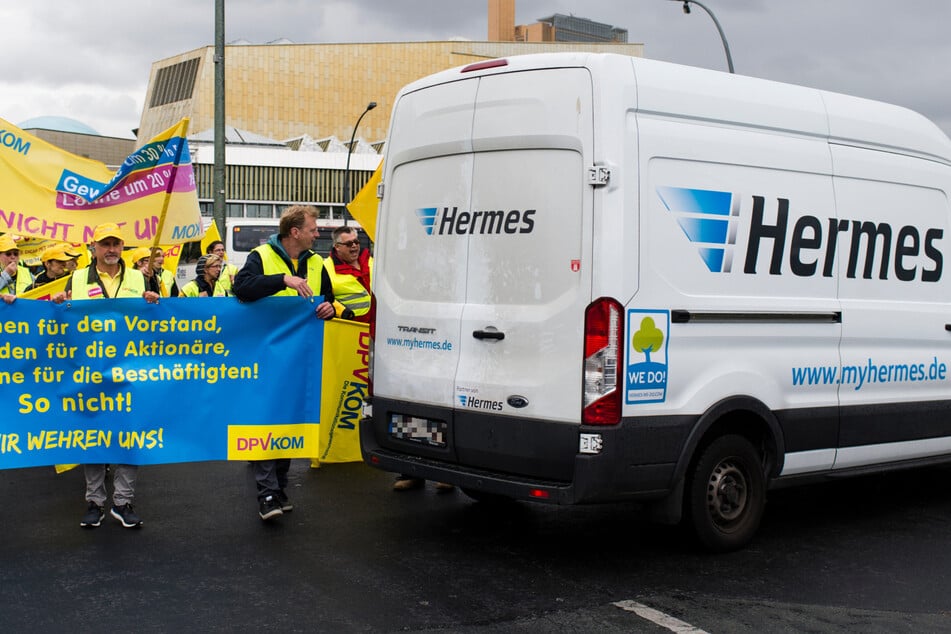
108 277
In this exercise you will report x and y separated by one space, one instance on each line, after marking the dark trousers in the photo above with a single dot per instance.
271 476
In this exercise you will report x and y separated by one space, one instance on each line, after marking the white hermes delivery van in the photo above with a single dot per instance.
604 278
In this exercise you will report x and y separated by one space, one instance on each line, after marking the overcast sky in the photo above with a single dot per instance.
90 60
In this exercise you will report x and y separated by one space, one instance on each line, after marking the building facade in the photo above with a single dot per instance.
282 91
289 92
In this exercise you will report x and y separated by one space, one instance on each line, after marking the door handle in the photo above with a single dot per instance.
488 334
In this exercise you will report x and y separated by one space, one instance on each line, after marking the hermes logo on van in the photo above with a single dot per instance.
449 221
805 246
709 220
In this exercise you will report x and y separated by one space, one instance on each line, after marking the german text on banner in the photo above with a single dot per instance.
345 381
48 193
123 381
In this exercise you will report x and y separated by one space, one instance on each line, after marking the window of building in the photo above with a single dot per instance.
174 83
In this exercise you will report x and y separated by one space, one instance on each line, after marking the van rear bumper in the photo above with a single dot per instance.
530 459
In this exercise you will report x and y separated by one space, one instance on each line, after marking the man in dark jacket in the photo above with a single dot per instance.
285 265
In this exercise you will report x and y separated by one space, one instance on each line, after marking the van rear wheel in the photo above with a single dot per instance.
726 494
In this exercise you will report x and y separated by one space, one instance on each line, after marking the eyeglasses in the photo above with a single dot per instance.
12 254
352 243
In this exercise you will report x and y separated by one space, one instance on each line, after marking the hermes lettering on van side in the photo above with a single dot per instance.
813 242
458 222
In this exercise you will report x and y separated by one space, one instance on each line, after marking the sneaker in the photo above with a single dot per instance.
444 487
270 507
405 483
285 503
126 515
93 516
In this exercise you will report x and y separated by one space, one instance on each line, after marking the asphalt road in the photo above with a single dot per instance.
869 555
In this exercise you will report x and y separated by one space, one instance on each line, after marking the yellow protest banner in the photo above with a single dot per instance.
344 384
46 290
48 193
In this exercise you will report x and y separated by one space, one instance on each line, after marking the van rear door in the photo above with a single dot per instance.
483 271
525 280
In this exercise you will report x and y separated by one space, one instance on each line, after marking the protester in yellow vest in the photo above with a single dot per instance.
285 265
108 277
14 277
157 278
55 259
350 268
228 271
206 282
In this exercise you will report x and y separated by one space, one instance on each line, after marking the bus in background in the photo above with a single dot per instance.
244 234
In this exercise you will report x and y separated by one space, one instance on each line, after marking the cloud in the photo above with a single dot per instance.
90 59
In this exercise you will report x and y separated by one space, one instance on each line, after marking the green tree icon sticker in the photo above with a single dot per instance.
648 338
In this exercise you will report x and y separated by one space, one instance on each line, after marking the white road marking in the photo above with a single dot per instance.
658 617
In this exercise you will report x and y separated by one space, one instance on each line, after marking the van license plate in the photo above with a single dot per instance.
425 431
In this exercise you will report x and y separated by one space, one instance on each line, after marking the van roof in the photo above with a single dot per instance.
718 98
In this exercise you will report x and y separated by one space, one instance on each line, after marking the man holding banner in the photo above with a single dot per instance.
285 265
108 277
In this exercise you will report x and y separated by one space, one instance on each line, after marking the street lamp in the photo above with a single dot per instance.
726 47
346 172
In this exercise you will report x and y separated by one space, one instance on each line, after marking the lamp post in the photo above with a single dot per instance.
726 47
218 174
346 172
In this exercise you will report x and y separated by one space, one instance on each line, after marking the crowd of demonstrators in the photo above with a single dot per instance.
207 279
284 265
151 263
108 277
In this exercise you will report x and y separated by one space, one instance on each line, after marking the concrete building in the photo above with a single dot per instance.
308 96
555 28
80 139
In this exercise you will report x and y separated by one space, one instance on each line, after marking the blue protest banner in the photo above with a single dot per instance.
179 381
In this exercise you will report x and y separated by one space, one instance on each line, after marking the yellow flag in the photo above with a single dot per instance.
364 205
211 235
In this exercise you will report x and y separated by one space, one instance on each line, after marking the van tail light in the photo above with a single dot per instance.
603 333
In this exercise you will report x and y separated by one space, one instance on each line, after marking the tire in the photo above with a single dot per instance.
726 494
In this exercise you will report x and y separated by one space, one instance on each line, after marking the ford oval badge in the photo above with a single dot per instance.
517 401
